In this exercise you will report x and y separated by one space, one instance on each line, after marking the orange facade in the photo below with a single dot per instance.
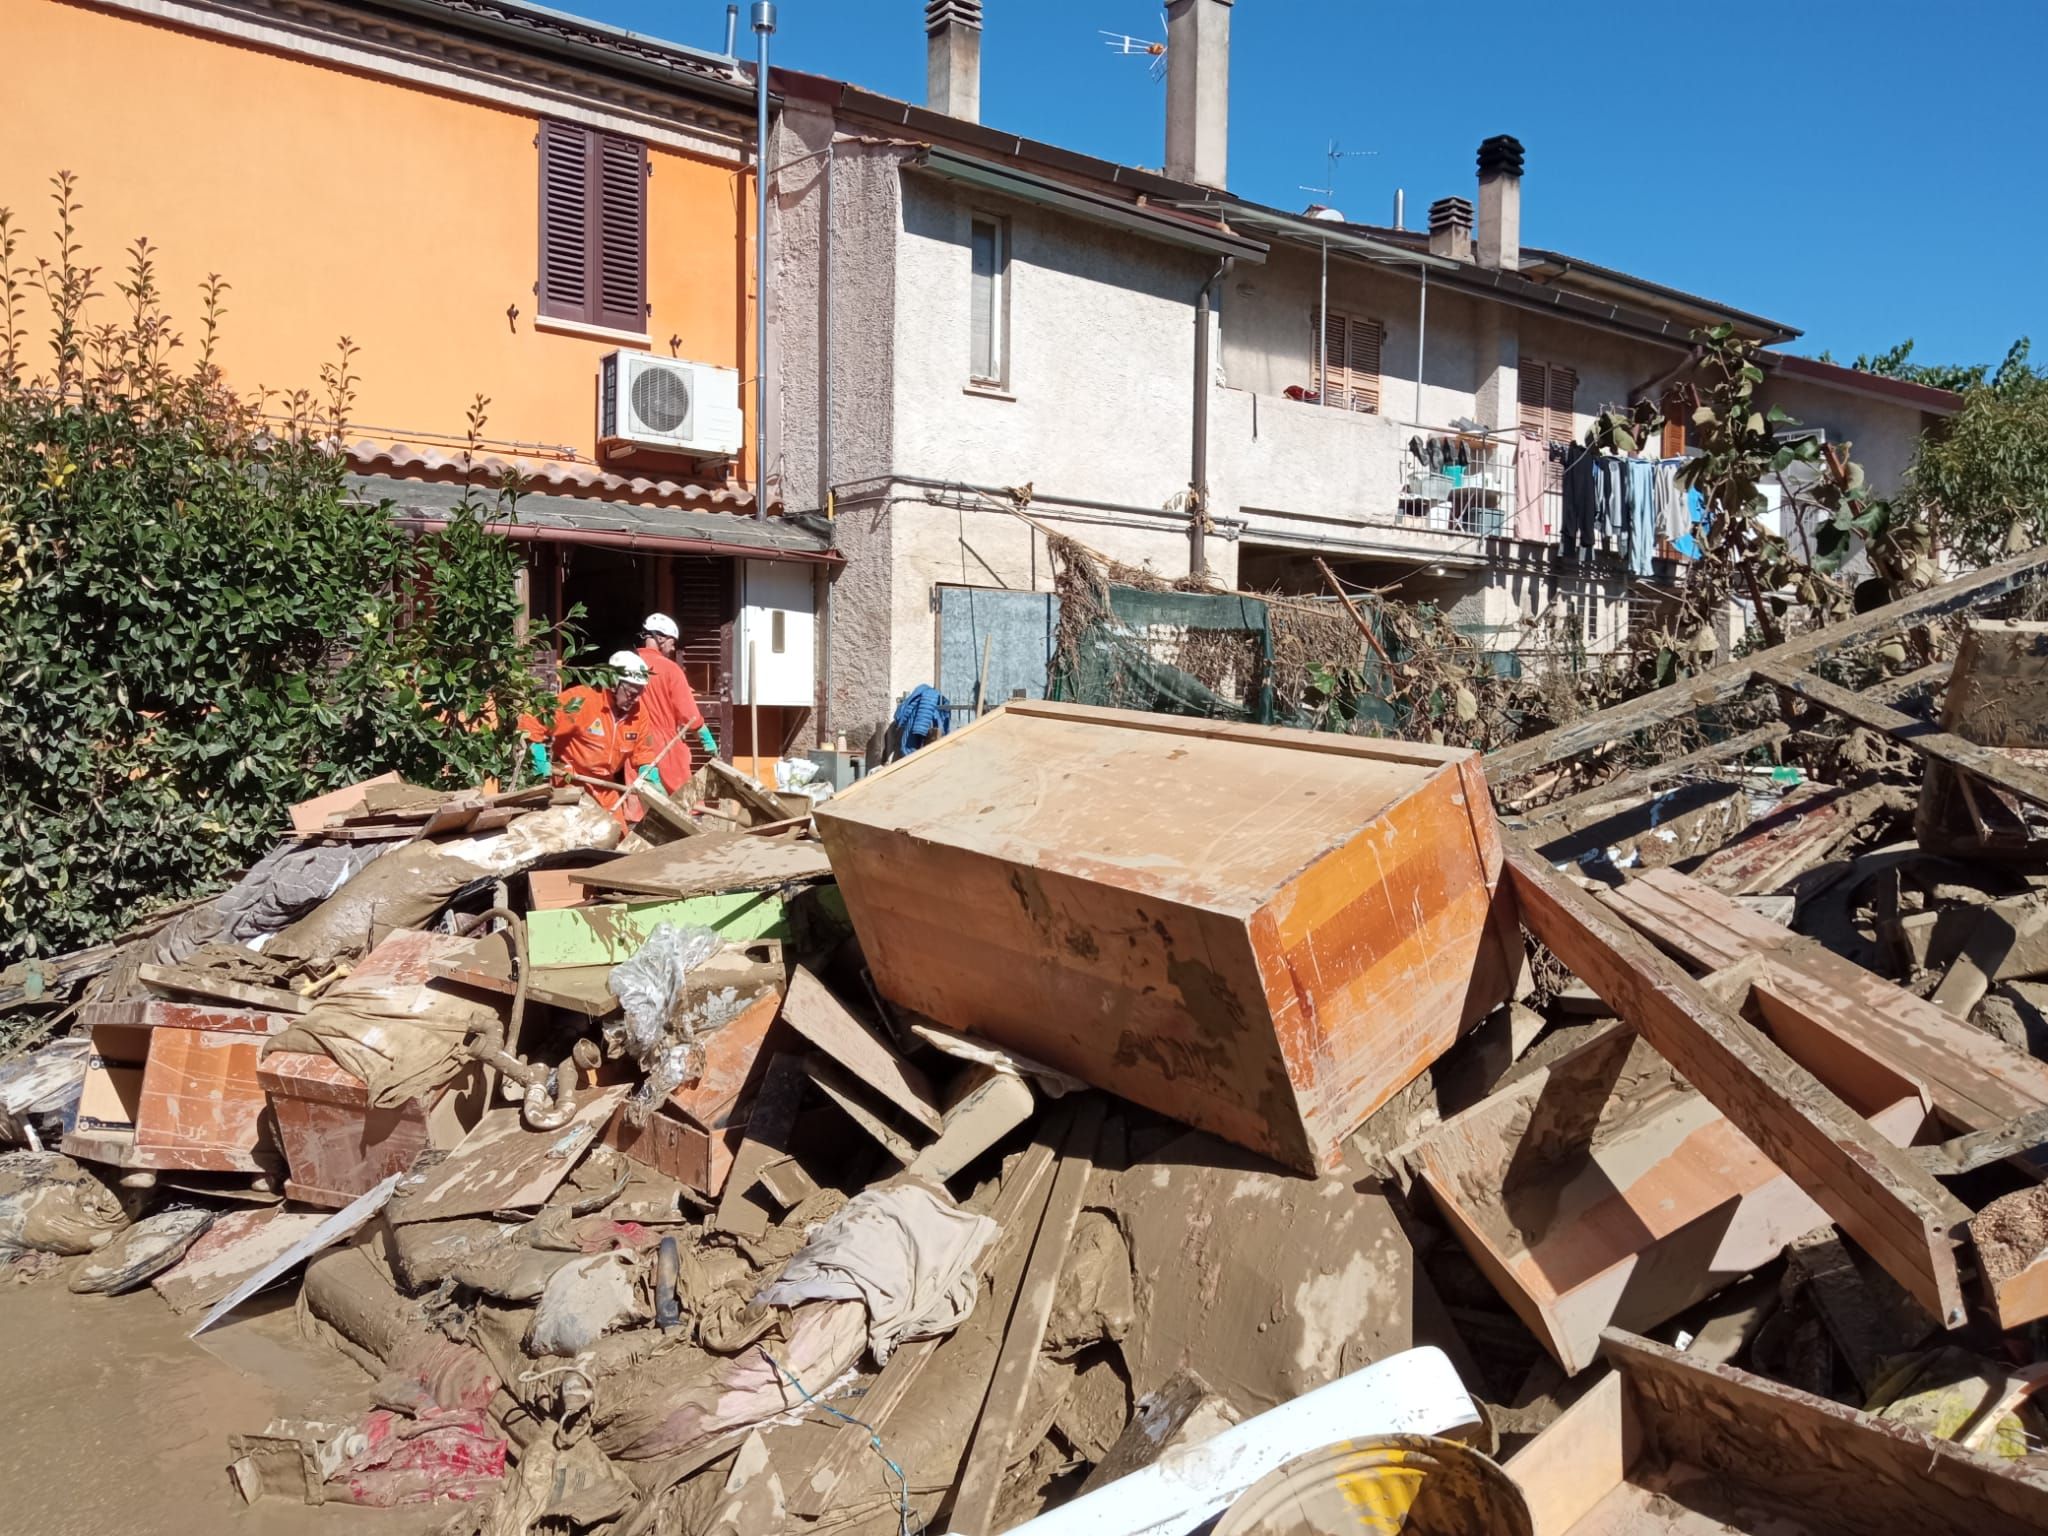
339 200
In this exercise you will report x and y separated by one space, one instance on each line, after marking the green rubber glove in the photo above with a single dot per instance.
707 741
650 773
538 751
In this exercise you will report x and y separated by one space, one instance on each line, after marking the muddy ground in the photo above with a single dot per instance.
111 1419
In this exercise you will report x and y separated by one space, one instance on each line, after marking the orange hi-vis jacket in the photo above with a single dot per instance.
672 713
587 735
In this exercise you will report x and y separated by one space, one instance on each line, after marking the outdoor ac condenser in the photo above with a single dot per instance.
661 402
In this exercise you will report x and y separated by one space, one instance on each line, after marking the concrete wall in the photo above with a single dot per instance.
1884 434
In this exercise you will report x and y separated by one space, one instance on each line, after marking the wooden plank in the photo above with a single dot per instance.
1901 1216
187 981
2011 1238
1698 924
756 797
614 932
1019 1210
1869 1474
552 888
768 1131
1581 1457
1930 741
829 1025
1639 780
310 816
843 1091
989 1455
703 866
1719 684
503 1166
1897 690
1806 827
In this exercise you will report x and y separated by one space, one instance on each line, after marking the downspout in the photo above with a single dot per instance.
764 23
823 583
1198 477
1421 332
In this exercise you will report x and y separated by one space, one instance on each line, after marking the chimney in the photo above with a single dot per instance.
952 72
1450 228
1198 90
1500 203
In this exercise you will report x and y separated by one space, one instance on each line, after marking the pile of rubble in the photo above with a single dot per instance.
1110 1122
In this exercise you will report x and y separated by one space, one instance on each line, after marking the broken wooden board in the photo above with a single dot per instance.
710 865
759 800
1719 684
615 932
189 981
1667 1443
769 1124
1636 780
989 1453
330 1231
503 1166
1879 1196
1807 826
1605 1191
550 888
310 817
839 1087
827 1023
1997 697
236 1246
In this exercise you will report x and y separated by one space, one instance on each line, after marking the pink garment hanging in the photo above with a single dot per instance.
1532 472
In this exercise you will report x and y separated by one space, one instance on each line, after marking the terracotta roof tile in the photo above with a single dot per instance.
552 477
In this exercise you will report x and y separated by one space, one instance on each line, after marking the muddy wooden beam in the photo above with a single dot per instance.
1930 741
1659 773
1879 1196
1719 684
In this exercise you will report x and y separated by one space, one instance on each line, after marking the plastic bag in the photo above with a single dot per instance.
50 1204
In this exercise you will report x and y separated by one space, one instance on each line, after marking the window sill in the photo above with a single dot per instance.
591 332
988 392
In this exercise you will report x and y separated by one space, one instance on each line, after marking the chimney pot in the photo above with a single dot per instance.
953 58
1450 228
1500 203
1198 90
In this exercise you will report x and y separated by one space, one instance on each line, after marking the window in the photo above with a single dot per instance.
1351 379
593 227
1543 396
988 361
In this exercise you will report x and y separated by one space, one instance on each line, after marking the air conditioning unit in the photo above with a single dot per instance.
662 402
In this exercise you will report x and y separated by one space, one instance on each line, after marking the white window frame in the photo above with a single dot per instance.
997 375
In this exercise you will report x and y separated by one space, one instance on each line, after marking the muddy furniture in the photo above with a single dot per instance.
1667 1443
172 1086
336 1145
1263 933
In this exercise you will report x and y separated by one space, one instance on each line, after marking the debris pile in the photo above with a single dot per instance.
1111 1122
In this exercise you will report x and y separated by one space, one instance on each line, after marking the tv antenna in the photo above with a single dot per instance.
1141 48
1334 154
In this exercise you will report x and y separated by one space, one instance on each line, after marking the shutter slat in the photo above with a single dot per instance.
565 276
621 232
1366 336
1532 399
1335 380
1564 385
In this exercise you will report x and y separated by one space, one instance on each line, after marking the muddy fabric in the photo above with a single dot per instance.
140 1252
51 1204
582 1301
905 1250
668 1402
401 1040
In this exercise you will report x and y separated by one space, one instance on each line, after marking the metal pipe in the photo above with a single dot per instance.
1198 474
825 324
764 24
1322 336
1421 331
732 28
1400 205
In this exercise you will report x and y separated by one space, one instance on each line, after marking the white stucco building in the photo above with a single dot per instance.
960 313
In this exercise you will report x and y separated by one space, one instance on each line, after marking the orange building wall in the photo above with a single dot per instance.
338 204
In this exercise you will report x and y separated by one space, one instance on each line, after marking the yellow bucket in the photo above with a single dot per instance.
1413 1485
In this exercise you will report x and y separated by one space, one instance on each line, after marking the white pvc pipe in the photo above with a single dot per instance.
1413 1393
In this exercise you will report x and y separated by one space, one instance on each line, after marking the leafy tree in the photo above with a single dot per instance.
200 623
2015 373
1983 476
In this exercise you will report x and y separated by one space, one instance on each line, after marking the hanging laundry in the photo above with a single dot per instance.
1532 479
1639 502
1581 498
1672 520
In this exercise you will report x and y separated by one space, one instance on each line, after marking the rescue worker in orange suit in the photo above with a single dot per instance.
600 733
670 706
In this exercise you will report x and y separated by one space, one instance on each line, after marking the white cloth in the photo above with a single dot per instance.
906 1250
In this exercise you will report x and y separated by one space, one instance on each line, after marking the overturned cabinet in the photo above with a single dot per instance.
1263 933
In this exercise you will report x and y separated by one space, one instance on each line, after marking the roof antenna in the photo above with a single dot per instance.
1140 47
1331 156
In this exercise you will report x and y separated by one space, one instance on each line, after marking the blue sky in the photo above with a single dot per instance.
1871 174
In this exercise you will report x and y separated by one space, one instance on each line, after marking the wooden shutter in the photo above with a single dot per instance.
593 227
621 180
1673 407
566 279
1532 399
1564 384
1351 378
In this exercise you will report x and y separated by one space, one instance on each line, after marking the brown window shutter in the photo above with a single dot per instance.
1532 399
1334 378
621 229
1674 424
567 283
1564 384
1366 336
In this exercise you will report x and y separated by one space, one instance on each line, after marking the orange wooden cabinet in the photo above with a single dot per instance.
336 1146
1262 932
692 1137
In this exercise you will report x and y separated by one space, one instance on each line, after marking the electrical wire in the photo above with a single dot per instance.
874 1439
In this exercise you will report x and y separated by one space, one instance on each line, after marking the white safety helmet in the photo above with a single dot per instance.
661 624
630 667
